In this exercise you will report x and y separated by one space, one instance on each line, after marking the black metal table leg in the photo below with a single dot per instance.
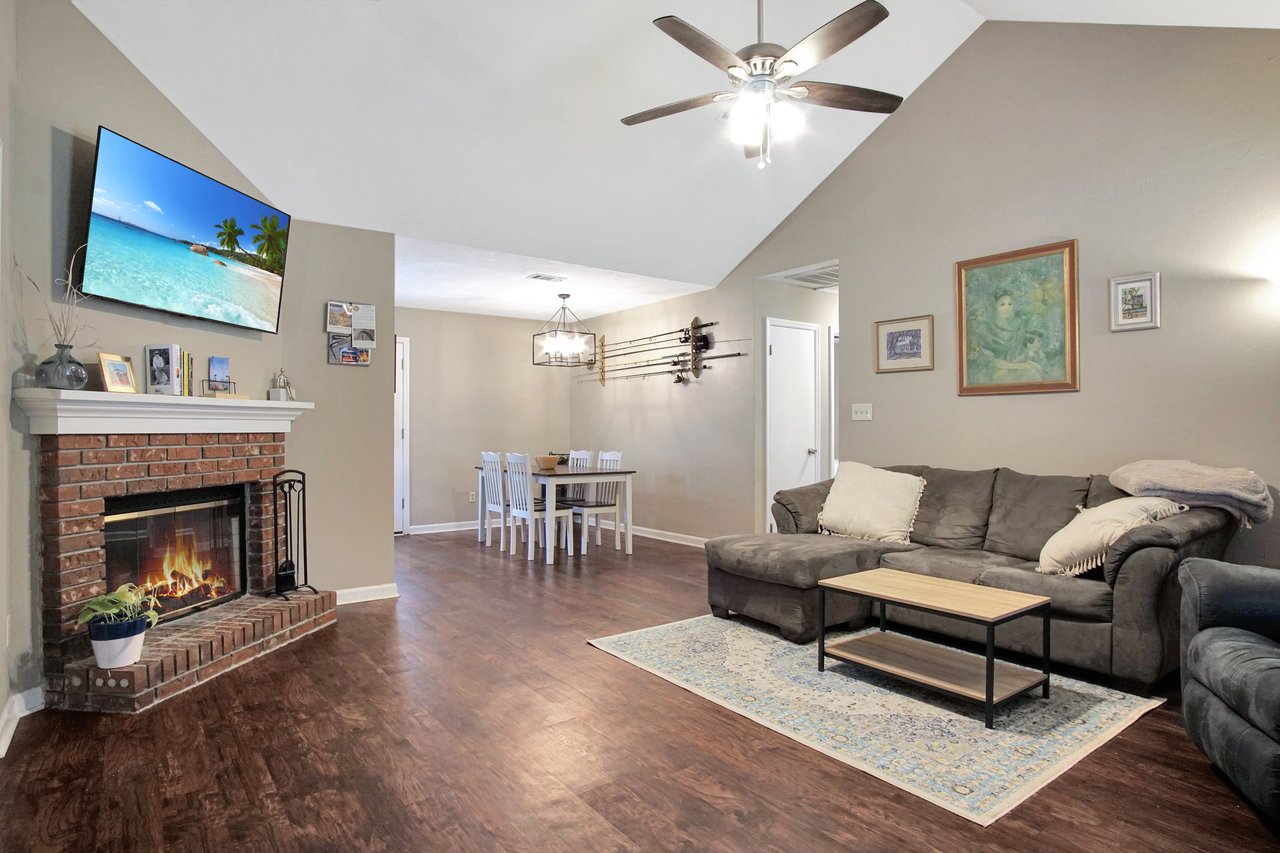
822 629
1045 652
991 676
882 606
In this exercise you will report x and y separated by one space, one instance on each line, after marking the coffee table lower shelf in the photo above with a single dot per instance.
941 668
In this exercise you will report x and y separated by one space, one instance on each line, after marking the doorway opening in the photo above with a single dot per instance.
400 439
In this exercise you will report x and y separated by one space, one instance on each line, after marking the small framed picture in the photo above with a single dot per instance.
905 344
1135 302
337 318
219 373
341 351
117 373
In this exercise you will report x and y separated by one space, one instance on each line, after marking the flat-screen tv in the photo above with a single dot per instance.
164 236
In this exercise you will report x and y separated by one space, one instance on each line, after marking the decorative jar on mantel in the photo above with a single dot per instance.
62 371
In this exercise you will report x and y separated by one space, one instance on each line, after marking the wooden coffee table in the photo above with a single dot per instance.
949 670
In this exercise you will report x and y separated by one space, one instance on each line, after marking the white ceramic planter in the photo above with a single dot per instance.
122 652
110 649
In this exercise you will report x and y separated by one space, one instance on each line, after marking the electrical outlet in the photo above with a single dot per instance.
471 497
860 412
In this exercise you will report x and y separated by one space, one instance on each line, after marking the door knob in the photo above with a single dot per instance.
813 451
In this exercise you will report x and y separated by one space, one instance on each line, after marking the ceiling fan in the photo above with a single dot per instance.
761 75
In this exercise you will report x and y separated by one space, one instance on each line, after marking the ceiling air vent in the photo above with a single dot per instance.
824 277
541 276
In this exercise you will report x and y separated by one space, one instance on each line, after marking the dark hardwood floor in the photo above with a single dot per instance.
472 715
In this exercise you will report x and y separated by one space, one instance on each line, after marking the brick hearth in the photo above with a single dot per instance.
178 655
77 472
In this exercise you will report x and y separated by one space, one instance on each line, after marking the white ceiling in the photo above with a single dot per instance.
486 135
445 277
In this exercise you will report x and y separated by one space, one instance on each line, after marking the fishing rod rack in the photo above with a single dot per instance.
678 353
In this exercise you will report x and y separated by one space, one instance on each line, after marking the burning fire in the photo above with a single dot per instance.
182 572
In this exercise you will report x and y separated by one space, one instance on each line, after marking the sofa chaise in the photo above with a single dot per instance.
987 528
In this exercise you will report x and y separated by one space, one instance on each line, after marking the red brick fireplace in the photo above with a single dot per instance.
85 460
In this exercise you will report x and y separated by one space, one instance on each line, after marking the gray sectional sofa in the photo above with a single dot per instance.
986 528
1231 674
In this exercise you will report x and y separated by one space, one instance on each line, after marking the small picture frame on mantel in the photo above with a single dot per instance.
1135 302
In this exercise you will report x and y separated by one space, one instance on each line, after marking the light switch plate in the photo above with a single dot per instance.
861 412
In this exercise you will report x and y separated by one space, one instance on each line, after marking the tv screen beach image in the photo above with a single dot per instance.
164 236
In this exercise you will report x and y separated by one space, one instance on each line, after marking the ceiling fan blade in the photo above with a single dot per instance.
834 35
751 152
845 97
676 107
701 43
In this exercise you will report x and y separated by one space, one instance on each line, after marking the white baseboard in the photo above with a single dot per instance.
446 527
668 536
647 532
367 593
18 706
661 535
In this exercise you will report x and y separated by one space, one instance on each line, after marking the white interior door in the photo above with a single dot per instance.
400 439
792 405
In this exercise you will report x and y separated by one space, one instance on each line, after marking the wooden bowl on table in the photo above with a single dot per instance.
546 463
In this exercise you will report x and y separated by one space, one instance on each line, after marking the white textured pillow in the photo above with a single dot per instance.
869 503
1082 545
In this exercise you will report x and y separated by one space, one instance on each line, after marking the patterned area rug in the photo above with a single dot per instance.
916 739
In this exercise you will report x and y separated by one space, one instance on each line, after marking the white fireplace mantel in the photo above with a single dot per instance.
53 412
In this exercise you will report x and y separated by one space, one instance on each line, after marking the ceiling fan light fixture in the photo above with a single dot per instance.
747 117
761 75
756 108
786 120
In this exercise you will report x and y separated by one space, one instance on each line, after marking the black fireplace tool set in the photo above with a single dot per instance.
290 495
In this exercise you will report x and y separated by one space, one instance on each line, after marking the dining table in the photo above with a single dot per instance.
564 475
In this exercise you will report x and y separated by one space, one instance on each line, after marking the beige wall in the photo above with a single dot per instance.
70 79
698 449
344 445
1156 148
473 388
691 445
11 569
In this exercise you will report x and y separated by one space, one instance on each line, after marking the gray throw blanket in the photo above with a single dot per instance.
1237 490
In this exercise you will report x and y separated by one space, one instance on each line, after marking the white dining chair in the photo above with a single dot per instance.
603 500
578 491
495 499
527 508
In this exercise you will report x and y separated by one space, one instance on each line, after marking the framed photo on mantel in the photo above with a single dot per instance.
1018 318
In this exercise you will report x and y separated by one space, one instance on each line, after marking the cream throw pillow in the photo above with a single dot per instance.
1082 545
869 503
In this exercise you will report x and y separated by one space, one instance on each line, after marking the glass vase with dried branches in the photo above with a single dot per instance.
62 370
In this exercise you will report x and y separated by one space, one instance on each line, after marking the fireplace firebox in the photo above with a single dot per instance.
186 547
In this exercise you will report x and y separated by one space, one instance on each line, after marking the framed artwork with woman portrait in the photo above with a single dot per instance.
1018 321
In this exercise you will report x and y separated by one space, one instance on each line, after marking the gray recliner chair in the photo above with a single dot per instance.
1231 674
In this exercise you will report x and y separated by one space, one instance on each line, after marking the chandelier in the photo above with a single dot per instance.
562 342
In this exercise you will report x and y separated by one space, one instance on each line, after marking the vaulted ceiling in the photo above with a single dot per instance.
486 135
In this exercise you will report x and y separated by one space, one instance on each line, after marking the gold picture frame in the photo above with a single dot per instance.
1018 321
903 345
117 373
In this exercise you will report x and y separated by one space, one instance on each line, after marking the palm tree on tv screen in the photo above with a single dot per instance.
270 240
229 235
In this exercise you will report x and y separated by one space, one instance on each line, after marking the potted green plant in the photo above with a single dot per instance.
117 623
